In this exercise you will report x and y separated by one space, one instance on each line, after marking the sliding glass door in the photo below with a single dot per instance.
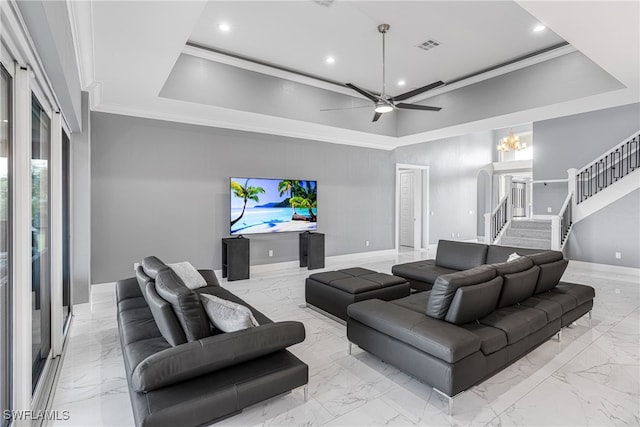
5 233
40 239
66 233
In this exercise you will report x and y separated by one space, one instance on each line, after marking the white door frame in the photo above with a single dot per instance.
421 205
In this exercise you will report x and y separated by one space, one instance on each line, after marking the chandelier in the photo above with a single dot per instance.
511 142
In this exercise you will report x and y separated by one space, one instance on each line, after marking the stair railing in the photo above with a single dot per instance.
497 220
613 165
561 224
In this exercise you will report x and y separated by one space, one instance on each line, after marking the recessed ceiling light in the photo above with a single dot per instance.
401 83
330 60
224 27
539 28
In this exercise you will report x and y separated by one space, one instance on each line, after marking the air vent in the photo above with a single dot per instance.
429 44
325 3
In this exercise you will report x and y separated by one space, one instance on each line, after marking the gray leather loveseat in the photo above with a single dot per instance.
473 323
181 371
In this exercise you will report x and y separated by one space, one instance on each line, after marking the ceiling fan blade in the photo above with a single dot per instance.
417 91
363 92
345 108
404 106
376 116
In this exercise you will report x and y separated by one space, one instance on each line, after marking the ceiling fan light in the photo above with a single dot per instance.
382 107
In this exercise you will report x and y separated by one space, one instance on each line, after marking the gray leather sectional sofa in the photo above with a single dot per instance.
472 323
453 256
183 372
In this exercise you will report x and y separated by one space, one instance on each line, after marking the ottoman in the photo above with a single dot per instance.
333 291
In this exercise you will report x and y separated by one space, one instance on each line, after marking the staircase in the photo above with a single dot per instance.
598 184
530 233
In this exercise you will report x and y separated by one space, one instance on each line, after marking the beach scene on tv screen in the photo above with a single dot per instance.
260 205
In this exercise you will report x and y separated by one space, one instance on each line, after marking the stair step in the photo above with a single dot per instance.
528 232
532 224
524 242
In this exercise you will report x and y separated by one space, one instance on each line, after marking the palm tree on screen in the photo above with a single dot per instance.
287 186
245 193
305 196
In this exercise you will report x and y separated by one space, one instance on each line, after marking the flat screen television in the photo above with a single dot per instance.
264 205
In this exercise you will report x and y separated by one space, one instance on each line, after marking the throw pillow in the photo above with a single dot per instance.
227 315
188 274
514 256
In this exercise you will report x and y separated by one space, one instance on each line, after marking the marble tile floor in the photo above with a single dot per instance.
590 377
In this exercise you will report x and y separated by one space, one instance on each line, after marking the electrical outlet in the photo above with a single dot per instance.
366 243
270 252
471 212
432 213
453 234
458 235
549 210
618 255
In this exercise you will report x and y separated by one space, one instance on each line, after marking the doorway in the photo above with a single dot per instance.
412 201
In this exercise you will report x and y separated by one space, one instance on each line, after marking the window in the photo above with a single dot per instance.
5 229
40 239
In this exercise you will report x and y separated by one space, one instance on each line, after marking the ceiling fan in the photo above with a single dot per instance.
385 103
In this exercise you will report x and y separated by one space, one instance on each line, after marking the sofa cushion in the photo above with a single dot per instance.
473 302
142 279
521 264
446 286
424 271
582 293
492 339
228 316
221 292
545 257
185 303
516 321
415 302
164 317
550 274
552 309
518 286
152 266
439 339
499 254
460 255
188 274
566 301
137 325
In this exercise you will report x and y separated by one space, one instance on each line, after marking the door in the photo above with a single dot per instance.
5 254
407 214
519 199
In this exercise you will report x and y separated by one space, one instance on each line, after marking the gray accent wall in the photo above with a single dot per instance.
454 164
162 188
615 228
573 142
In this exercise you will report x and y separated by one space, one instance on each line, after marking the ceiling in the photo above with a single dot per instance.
131 54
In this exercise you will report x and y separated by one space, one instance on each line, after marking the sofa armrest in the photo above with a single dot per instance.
438 338
127 288
210 354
